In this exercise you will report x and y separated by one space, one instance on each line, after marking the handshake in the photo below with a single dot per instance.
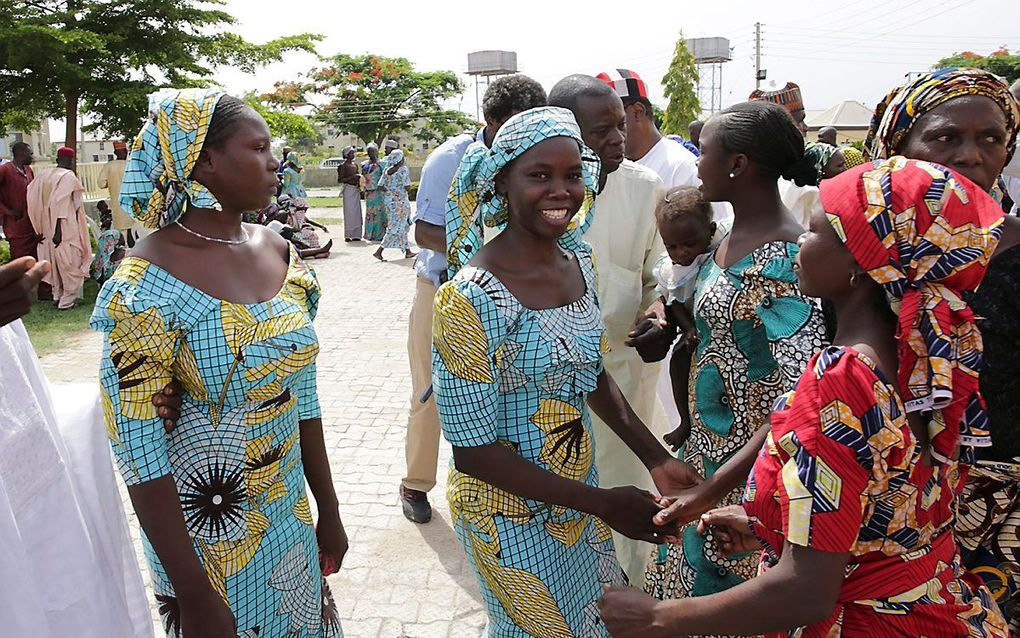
641 515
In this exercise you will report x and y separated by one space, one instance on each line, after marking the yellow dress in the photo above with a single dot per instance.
517 377
248 372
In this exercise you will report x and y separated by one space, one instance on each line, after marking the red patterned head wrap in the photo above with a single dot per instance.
925 234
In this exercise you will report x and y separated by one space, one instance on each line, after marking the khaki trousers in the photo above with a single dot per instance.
422 444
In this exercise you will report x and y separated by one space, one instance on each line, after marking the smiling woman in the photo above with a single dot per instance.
226 308
518 345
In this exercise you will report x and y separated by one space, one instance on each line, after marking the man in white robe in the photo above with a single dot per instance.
626 245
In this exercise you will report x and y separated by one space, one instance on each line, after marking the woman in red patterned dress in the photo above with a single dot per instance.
850 499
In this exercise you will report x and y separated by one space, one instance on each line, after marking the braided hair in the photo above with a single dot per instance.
768 136
229 111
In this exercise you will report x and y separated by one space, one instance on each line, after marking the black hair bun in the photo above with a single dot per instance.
803 172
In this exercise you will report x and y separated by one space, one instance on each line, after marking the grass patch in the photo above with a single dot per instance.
50 328
328 221
325 202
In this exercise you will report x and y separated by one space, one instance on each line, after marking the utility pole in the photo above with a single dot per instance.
757 55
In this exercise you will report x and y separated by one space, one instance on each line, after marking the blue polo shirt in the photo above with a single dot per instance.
433 189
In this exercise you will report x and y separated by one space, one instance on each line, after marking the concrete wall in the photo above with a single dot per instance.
326 177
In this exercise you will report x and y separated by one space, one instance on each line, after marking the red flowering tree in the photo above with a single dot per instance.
373 96
1000 62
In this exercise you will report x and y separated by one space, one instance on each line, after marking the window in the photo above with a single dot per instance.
102 146
95 158
109 158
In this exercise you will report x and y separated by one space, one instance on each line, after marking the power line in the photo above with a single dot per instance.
894 28
828 14
907 6
847 34
408 118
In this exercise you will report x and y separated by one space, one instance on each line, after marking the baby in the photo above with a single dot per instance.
690 236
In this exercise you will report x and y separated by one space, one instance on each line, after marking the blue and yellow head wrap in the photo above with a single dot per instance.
157 179
473 198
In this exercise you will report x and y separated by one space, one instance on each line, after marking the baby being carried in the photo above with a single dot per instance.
690 236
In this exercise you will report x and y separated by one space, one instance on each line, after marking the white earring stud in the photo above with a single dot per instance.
732 175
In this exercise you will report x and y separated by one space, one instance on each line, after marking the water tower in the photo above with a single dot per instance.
489 64
709 56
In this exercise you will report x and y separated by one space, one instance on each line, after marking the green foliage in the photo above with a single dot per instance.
658 115
679 87
1000 62
372 97
106 56
452 122
295 129
51 329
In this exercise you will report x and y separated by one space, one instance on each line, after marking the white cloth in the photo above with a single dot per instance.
1011 177
800 200
627 245
673 163
67 567
1013 188
676 283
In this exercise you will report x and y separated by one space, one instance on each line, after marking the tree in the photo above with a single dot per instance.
1000 62
295 129
441 128
372 97
105 56
678 85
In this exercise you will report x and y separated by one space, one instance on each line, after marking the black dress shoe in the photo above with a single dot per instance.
415 505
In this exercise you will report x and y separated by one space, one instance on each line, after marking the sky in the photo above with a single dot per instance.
835 50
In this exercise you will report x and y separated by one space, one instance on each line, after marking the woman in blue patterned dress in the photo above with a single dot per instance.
375 207
518 345
293 176
226 308
394 182
756 330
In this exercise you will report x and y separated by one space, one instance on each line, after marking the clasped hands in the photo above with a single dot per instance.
629 612
641 515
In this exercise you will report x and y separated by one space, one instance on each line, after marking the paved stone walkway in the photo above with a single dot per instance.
399 580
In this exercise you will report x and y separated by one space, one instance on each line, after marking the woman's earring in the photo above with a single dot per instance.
732 175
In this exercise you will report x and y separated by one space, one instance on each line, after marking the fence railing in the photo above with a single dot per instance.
88 173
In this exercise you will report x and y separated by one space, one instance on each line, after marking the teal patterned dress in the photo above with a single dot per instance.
398 208
106 245
757 333
512 376
375 204
248 372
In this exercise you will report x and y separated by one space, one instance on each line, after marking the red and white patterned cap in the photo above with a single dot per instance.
627 84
